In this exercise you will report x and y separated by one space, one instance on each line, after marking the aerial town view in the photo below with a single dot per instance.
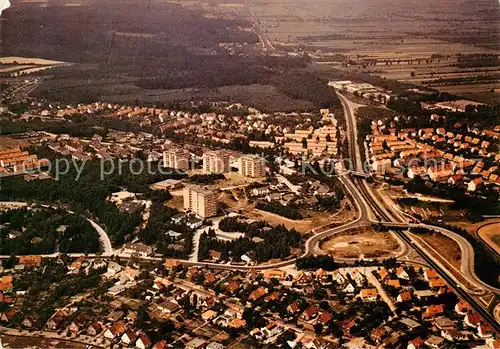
210 174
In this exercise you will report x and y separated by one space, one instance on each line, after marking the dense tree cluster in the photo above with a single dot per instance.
477 204
480 115
280 209
44 231
205 179
160 223
325 262
272 242
478 60
87 194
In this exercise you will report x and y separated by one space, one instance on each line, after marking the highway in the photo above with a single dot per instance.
383 215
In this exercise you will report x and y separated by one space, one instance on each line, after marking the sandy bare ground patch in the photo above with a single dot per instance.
35 342
237 201
447 248
362 242
473 227
26 60
490 233
176 202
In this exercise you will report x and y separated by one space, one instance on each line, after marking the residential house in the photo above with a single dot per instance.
368 294
321 275
485 331
430 274
378 334
117 329
57 321
324 318
475 184
274 274
358 277
433 310
168 307
347 327
257 294
415 343
463 308
310 313
30 261
404 297
138 249
473 319
454 335
209 315
161 345
394 283
94 329
196 343
338 277
383 273
435 341
129 338
349 288
236 323
402 274
293 308
30 320
437 283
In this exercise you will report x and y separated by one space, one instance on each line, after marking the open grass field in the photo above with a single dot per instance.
490 234
362 243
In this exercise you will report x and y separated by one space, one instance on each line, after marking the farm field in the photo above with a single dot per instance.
435 33
362 243
378 27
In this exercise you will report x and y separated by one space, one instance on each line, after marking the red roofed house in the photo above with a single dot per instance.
485 331
463 308
436 283
310 313
404 297
430 274
473 319
368 294
474 184
433 310
416 343
30 261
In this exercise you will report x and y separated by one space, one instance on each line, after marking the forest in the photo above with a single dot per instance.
268 245
160 223
45 231
86 194
280 209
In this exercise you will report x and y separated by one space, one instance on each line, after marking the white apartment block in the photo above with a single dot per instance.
200 201
252 166
216 162
177 159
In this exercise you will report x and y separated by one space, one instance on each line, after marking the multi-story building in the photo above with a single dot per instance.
200 201
176 158
216 162
252 166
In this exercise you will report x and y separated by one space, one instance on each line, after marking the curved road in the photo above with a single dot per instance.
382 213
